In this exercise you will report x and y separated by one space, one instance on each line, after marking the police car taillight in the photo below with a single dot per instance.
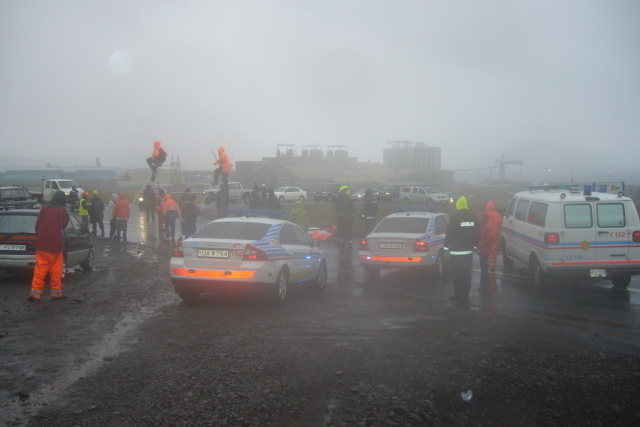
551 238
420 246
177 250
636 236
364 245
251 253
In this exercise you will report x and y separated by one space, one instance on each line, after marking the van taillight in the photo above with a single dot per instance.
551 238
636 236
420 246
251 253
364 245
177 250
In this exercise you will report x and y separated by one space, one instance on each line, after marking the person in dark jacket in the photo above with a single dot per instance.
52 220
272 202
461 240
96 214
149 198
190 212
345 212
370 211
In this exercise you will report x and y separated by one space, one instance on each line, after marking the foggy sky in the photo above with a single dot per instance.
553 83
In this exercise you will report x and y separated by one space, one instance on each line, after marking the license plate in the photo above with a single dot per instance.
13 247
390 245
213 253
597 272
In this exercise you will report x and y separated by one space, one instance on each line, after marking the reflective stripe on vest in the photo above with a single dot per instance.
82 211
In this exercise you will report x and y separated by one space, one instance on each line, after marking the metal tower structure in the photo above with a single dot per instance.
176 171
502 163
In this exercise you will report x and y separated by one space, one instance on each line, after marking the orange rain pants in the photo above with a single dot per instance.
47 262
491 264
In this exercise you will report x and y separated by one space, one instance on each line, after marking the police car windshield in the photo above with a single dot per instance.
233 231
23 224
403 225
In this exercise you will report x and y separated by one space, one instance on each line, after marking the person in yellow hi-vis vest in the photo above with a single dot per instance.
83 211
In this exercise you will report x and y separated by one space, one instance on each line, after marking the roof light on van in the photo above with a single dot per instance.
551 238
587 190
635 236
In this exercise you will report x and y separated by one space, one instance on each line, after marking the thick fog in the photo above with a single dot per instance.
552 83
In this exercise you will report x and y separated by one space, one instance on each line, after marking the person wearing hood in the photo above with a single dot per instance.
370 211
83 211
170 212
121 212
272 203
110 217
149 198
96 214
345 212
461 240
298 216
50 240
158 157
224 166
490 227
189 214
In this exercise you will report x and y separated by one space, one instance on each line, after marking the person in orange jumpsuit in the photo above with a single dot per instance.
121 212
224 166
171 212
52 220
490 228
158 157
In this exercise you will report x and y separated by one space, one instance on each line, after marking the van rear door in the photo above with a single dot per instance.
612 233
579 235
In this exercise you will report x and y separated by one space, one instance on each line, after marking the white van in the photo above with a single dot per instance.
559 231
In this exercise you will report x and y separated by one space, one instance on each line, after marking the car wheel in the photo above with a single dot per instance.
89 263
282 285
190 296
207 200
281 198
429 202
321 280
405 201
301 198
245 198
329 198
621 282
539 276
372 269
439 265
506 261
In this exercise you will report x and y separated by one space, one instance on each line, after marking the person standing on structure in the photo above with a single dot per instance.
370 211
96 214
461 240
222 200
52 220
158 157
83 211
121 211
490 227
345 212
171 212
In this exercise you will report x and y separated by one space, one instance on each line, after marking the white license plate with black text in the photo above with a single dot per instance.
598 272
390 245
213 253
13 247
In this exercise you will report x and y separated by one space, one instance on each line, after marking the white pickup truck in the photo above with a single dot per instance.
50 186
236 193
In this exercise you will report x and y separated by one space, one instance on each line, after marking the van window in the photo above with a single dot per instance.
521 210
578 216
610 215
537 213
512 207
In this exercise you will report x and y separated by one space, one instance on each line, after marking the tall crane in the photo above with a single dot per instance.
502 163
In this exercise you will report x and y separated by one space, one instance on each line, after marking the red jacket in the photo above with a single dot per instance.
169 204
51 222
223 161
490 228
121 208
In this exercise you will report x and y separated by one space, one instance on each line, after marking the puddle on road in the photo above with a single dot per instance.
18 411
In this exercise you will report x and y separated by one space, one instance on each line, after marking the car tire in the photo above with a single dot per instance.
329 198
430 202
621 282
506 261
89 263
301 198
281 198
372 269
282 287
439 265
405 201
321 281
245 198
190 296
540 278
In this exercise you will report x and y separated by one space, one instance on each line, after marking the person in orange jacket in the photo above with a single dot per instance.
170 211
224 166
121 212
158 157
52 220
490 228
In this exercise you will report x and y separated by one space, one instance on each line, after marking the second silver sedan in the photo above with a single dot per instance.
290 194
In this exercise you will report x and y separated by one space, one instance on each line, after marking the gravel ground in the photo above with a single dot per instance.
124 351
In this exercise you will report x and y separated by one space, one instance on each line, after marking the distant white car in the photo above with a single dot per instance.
256 254
290 194
406 240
